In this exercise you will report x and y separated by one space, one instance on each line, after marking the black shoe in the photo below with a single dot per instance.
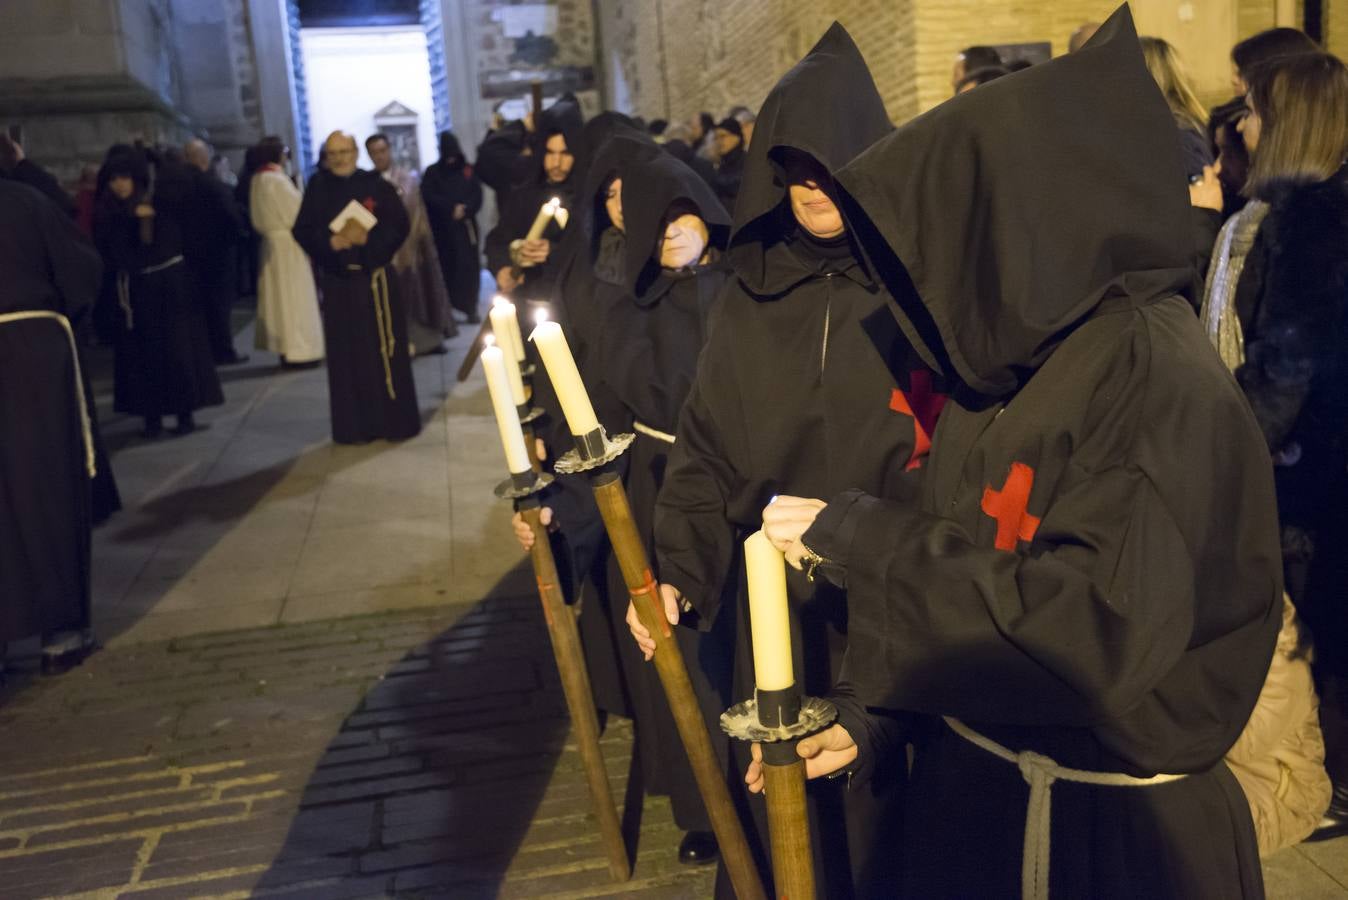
66 651
698 848
1335 821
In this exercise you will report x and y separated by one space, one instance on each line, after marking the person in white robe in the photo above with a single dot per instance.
288 320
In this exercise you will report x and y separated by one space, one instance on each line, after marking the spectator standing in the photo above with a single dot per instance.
453 197
288 321
213 237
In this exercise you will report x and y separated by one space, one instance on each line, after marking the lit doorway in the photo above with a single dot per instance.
365 66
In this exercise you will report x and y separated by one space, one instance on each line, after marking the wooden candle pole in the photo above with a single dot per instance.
524 486
673 672
788 821
566 648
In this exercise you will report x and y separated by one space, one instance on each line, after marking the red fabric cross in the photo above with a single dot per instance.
1007 506
368 203
923 406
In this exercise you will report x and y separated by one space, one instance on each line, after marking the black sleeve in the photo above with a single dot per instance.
473 194
507 229
75 267
311 230
435 193
694 538
498 157
881 737
940 624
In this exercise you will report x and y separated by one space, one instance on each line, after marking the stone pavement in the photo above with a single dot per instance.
326 676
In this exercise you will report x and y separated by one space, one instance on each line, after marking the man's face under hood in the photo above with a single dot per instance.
557 159
811 190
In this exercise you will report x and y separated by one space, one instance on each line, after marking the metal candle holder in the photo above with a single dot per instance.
777 720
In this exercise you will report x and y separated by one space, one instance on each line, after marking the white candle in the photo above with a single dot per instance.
505 328
566 383
545 214
507 419
769 619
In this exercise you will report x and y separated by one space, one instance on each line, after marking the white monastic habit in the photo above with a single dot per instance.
288 321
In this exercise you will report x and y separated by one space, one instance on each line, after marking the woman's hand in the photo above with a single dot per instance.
1207 192
785 519
672 598
144 211
535 252
824 754
339 243
524 533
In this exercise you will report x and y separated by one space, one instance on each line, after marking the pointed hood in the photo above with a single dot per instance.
622 147
827 106
650 188
1003 218
563 117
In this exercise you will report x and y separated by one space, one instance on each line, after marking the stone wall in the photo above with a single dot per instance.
672 58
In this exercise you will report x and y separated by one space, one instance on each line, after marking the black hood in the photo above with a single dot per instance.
565 118
622 147
451 152
593 135
1005 217
650 187
827 106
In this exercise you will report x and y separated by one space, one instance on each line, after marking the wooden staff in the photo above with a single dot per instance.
788 821
576 687
669 665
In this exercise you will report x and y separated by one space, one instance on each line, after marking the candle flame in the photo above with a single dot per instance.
489 340
498 300
555 202
540 316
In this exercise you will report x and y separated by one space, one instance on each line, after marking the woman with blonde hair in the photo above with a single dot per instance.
1276 308
1167 70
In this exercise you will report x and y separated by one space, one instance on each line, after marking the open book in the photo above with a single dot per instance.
353 211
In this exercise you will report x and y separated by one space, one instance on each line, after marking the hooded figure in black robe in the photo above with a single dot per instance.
804 388
164 363
653 328
51 280
561 121
370 383
1092 574
453 197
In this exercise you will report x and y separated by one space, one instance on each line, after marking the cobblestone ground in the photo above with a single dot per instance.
411 754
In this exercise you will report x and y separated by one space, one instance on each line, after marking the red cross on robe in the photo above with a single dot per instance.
923 405
1007 506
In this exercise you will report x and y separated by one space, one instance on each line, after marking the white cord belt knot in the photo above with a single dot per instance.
1040 772
383 318
650 432
86 430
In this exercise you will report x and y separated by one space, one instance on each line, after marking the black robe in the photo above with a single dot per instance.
44 479
164 364
800 390
212 237
364 325
444 186
1092 573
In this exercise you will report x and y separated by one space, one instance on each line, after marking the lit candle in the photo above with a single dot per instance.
566 383
769 621
507 419
506 329
562 216
545 214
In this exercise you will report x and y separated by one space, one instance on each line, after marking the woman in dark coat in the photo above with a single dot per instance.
1088 588
1277 310
163 362
806 386
453 197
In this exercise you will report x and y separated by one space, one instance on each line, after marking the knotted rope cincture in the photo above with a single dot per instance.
383 317
1040 772
85 428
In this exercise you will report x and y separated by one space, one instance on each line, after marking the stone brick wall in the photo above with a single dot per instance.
672 58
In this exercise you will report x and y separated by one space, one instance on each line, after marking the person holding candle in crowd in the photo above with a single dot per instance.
518 252
639 326
806 386
1072 599
370 384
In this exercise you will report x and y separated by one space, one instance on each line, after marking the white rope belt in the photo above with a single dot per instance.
1039 773
86 429
124 287
383 317
652 432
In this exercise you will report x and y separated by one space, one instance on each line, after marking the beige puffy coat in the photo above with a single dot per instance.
1279 758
